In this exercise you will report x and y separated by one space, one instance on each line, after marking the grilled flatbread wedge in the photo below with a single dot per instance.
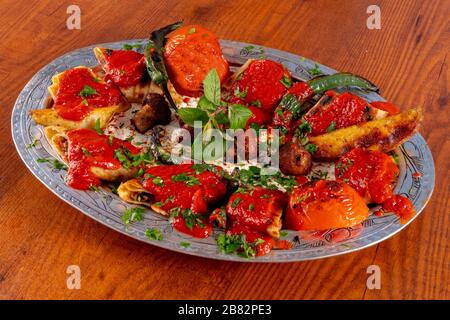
384 134
79 100
126 69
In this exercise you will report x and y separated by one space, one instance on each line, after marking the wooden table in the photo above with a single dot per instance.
40 235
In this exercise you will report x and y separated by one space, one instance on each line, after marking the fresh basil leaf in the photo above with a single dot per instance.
211 87
189 115
238 116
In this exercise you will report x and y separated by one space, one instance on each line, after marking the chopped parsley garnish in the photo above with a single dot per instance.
251 207
342 167
315 71
187 179
119 155
332 126
163 203
127 46
87 91
140 172
191 31
256 103
132 215
154 234
86 152
97 126
185 244
191 219
235 202
94 188
158 181
110 140
283 233
286 81
237 243
240 94
33 143
311 148
56 163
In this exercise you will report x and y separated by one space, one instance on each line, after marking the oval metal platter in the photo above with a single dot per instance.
106 208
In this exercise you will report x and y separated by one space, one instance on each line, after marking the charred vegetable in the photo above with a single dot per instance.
155 110
154 58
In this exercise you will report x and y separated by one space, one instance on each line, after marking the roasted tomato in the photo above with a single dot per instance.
189 54
258 209
324 204
261 84
386 106
371 173
335 111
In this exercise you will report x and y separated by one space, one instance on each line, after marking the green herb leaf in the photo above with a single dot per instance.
191 31
33 143
154 234
97 126
158 181
235 202
87 91
127 46
185 244
86 152
315 71
56 163
211 87
286 81
311 148
238 116
331 127
283 233
187 179
132 215
189 115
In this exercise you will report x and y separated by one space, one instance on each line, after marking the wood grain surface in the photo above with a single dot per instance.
40 235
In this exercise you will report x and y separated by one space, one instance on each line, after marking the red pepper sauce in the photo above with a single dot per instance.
87 149
401 206
301 90
124 68
343 110
181 187
386 106
261 83
371 173
253 213
74 102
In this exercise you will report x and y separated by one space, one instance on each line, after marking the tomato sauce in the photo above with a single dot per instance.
74 102
371 173
87 149
261 82
386 106
324 204
183 189
301 90
259 117
124 68
343 110
401 206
